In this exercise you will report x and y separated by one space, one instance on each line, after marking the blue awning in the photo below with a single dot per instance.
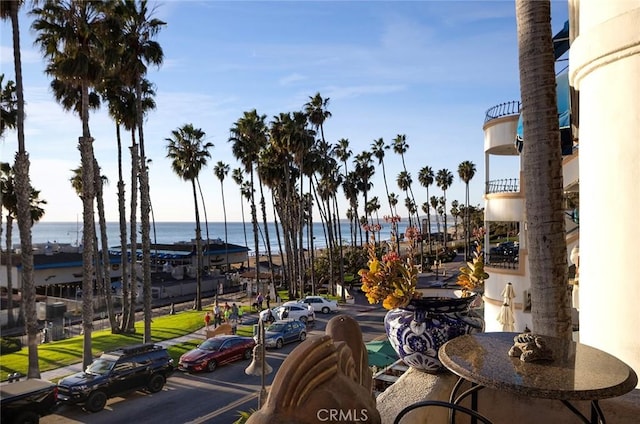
563 93
561 41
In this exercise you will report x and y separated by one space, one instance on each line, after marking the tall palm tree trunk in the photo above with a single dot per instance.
145 213
204 210
87 159
341 254
254 222
226 234
9 266
23 191
106 263
129 303
198 303
542 163
124 266
429 224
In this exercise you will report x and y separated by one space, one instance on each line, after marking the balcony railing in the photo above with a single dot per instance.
503 109
505 185
503 261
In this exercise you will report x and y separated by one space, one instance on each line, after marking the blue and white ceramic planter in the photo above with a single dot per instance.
417 331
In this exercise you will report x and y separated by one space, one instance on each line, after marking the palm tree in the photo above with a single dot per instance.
377 149
221 170
444 179
435 202
350 189
137 31
189 153
400 147
121 100
425 178
364 171
8 105
317 113
342 153
248 135
393 202
10 204
238 178
466 171
404 182
70 36
103 278
455 212
23 192
8 120
542 166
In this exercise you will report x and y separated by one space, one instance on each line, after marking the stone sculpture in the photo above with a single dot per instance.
530 348
324 379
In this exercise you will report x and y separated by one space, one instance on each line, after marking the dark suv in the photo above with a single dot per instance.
127 369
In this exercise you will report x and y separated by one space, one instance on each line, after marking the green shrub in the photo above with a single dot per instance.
10 345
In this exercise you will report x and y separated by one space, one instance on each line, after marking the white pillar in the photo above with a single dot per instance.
605 68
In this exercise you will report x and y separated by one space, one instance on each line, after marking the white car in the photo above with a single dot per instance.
289 310
320 304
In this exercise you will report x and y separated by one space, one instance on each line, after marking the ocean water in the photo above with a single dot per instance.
171 232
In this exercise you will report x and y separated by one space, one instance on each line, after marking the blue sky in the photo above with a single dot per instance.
426 69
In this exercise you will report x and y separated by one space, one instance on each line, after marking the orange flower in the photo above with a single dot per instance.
390 279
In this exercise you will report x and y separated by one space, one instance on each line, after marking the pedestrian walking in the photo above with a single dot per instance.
259 301
217 315
268 299
207 319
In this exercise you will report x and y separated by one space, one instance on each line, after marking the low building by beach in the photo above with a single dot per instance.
58 270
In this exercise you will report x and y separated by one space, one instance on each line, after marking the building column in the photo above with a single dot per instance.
605 68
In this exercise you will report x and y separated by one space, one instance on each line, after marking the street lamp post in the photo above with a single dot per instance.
76 299
437 263
259 365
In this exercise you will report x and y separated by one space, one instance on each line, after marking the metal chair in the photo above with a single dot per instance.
438 403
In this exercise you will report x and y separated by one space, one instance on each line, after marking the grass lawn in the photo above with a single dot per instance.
69 351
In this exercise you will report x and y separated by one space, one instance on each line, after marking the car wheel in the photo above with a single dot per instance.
156 383
304 319
96 401
279 343
212 365
303 336
325 310
247 354
27 417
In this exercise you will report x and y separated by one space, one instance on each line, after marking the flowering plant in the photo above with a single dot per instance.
390 278
472 276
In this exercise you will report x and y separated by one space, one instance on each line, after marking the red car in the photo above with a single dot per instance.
216 351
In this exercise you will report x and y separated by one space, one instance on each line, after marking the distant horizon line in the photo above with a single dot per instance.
248 222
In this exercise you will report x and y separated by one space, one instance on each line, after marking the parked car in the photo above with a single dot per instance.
27 400
505 251
289 310
215 351
127 369
320 304
281 332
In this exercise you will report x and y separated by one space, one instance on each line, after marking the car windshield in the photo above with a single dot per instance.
100 366
211 344
276 328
